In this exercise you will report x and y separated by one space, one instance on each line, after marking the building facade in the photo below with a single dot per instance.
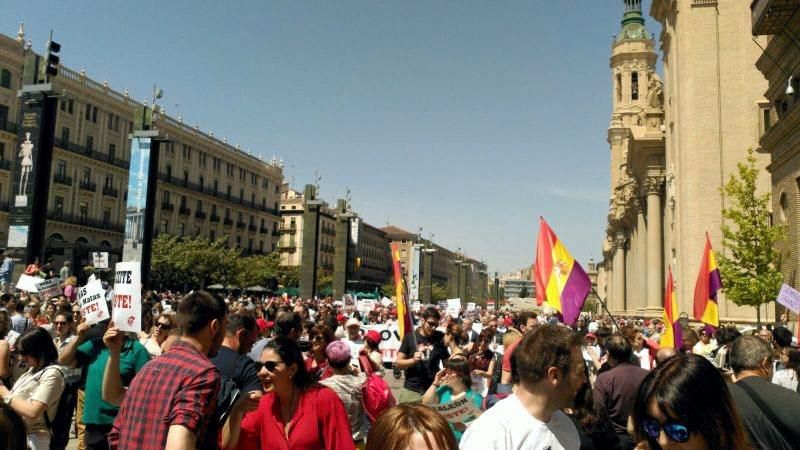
779 23
294 205
707 113
206 187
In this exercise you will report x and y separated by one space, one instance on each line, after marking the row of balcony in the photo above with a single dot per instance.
209 191
327 249
85 185
91 153
85 221
330 231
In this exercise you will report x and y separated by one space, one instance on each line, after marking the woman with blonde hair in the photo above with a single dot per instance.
162 327
71 288
410 426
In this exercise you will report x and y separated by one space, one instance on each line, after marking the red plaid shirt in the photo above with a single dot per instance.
179 387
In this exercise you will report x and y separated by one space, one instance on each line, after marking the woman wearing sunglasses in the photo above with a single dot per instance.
453 382
317 361
295 412
161 329
685 404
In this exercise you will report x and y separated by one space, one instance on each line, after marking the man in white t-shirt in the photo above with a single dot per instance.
354 339
550 368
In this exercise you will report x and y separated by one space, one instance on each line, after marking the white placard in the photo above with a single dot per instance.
92 299
390 340
453 307
28 283
477 327
416 306
100 260
349 302
49 288
386 302
367 305
127 302
470 306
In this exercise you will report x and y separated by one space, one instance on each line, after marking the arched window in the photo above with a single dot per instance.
634 85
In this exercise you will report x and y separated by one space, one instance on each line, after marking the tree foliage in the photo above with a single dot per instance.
750 266
195 263
438 293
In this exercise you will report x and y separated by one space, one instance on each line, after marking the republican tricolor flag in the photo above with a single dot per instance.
560 280
405 324
705 290
672 335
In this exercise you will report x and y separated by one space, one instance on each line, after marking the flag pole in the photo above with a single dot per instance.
605 307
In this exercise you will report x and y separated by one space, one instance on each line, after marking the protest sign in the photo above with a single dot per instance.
367 305
390 340
386 302
127 303
477 327
442 305
348 302
490 305
28 283
789 298
100 260
416 306
92 299
459 410
49 288
453 307
91 278
470 306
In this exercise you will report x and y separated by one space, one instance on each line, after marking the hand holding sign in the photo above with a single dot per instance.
127 303
92 298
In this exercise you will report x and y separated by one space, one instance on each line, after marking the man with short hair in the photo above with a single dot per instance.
413 356
354 339
289 324
615 388
526 322
781 339
768 411
170 402
65 272
550 368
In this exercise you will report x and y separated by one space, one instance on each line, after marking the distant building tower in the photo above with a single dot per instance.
633 249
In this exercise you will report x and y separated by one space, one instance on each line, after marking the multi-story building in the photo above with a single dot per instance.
205 188
779 22
708 112
513 283
370 265
446 267
292 228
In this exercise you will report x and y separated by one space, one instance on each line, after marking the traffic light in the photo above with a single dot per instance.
52 59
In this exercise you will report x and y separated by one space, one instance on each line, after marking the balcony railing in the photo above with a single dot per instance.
769 17
227 222
214 218
240 225
167 206
286 244
210 191
252 228
87 185
5 164
5 206
85 221
94 154
263 230
60 178
184 211
200 215
110 191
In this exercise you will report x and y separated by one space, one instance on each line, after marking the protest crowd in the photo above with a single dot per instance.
278 372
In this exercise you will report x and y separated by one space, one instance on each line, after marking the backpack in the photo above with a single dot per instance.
59 426
376 394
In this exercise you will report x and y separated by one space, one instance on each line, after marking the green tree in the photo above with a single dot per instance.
180 263
289 276
750 265
324 282
257 270
438 293
523 293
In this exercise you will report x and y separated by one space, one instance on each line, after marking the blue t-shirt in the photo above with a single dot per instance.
445 395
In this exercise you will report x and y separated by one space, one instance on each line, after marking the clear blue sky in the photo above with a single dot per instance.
470 118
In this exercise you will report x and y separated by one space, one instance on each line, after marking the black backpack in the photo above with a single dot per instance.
59 426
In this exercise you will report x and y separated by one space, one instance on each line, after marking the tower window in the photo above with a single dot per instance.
635 86
619 87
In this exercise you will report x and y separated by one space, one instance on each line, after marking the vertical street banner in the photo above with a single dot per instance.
32 157
137 199
127 303
413 283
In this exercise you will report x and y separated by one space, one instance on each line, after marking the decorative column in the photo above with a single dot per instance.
655 270
641 256
619 271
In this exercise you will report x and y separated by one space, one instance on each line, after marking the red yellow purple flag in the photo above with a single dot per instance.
709 282
672 335
560 280
405 324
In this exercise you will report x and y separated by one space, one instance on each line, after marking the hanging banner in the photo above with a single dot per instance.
92 299
100 260
127 302
49 288
137 199
413 282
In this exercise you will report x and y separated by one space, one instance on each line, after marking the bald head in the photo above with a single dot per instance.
665 353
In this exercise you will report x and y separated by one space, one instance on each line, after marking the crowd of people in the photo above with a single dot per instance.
247 372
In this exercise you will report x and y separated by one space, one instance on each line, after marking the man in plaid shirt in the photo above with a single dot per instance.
173 397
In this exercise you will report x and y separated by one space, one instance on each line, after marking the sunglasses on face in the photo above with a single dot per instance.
163 326
677 432
317 338
432 324
58 324
269 365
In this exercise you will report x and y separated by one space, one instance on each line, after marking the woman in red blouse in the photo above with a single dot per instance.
295 413
317 362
